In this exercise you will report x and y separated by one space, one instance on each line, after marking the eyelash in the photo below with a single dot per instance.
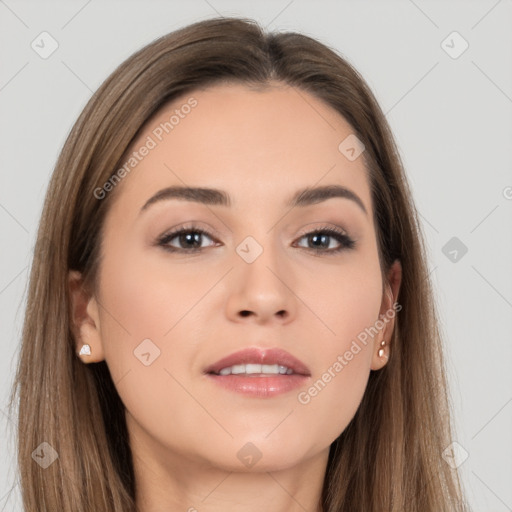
344 240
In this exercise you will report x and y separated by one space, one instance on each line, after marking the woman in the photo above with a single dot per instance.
229 305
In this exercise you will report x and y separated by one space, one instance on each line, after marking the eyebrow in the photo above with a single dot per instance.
215 197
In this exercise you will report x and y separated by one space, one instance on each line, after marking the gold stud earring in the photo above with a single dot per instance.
381 350
85 350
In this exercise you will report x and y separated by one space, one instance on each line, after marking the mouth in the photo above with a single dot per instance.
258 372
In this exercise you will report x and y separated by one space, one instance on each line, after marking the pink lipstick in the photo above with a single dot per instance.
261 373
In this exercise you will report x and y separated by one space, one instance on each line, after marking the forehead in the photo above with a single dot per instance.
256 144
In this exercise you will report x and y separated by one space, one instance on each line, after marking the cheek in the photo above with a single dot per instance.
148 296
350 309
150 322
145 329
347 302
332 399
343 364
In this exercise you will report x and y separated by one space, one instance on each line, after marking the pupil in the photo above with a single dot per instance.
190 238
322 238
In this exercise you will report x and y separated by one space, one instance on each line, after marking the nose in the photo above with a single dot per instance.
262 290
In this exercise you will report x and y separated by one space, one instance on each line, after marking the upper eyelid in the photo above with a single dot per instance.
326 226
214 233
190 227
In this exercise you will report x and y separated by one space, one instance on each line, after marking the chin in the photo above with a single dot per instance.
257 454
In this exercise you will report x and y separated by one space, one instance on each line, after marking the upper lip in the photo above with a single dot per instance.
260 356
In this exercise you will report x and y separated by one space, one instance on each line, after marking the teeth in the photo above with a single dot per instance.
238 368
252 368
261 369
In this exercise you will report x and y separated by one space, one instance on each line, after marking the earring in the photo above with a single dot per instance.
85 350
381 350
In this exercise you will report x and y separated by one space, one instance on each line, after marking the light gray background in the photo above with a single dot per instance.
452 121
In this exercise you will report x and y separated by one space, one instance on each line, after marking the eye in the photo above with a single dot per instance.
321 240
188 238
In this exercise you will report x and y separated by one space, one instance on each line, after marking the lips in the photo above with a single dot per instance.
257 356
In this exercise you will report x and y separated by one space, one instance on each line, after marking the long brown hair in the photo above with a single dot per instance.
389 458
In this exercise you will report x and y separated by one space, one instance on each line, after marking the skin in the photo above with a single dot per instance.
185 432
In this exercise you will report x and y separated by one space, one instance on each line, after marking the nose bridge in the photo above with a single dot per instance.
261 276
261 257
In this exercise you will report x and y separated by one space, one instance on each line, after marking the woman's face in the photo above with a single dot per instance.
169 307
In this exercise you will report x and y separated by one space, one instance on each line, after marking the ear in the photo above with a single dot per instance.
387 314
85 320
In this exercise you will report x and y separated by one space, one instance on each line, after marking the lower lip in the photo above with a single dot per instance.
260 386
